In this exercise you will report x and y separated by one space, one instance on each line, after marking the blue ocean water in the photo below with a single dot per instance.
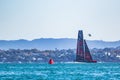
60 71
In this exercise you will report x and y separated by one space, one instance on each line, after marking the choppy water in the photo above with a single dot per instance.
60 71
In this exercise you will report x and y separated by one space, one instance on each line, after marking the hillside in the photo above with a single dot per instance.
50 43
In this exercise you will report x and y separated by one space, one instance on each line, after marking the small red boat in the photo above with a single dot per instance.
51 61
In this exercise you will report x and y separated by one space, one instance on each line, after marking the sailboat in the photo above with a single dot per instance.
82 52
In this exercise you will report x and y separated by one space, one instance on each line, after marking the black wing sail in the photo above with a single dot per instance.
80 47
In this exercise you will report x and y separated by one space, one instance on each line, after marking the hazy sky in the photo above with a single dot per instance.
31 19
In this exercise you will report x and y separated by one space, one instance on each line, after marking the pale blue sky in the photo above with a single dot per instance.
31 19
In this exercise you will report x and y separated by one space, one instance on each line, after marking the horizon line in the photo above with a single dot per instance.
55 38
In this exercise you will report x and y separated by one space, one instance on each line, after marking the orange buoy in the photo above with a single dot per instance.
51 61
